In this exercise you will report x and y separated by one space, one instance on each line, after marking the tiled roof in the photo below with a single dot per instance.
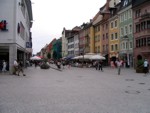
138 2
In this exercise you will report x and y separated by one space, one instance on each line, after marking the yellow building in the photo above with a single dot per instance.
92 39
97 33
114 38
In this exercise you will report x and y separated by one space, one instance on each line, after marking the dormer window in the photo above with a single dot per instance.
125 3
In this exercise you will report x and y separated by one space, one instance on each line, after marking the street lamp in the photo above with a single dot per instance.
127 49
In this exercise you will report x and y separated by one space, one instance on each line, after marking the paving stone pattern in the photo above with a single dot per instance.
75 90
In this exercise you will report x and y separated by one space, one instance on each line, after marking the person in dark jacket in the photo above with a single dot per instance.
20 68
100 65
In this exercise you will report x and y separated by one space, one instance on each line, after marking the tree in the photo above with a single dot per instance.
48 55
55 55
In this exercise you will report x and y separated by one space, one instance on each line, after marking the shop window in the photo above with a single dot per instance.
148 41
148 24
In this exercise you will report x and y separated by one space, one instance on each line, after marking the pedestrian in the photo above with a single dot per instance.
59 65
69 64
112 64
1 65
100 65
20 68
96 65
146 66
15 67
35 63
119 64
63 64
4 66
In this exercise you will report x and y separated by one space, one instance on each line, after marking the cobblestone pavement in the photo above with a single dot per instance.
75 90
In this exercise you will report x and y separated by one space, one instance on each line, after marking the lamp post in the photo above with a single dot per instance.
127 51
86 42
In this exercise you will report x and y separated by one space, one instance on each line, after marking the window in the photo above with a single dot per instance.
95 38
123 45
106 26
148 41
112 24
112 36
116 36
148 24
130 28
125 3
137 27
130 13
125 15
115 23
98 49
103 27
106 35
126 45
126 30
116 46
98 37
22 31
121 32
107 47
131 45
112 48
98 28
103 48
136 43
120 19
144 42
137 13
22 5
143 25
103 36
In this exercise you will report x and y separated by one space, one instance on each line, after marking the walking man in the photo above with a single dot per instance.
119 64
20 68
146 66
100 65
15 67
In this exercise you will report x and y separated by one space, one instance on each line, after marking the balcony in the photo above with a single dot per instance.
105 51
144 16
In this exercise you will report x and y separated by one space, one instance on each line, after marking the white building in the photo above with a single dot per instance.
76 44
64 43
15 37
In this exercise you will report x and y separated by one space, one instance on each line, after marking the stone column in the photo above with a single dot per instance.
12 56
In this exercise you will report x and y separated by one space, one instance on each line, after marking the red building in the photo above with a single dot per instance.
104 11
141 16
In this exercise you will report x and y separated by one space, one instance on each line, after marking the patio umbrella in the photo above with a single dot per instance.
97 57
35 58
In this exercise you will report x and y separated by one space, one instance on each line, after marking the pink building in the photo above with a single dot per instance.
141 22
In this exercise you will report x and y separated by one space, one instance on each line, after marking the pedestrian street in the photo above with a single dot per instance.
75 90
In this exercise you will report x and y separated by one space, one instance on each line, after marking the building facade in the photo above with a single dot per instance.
76 44
15 35
126 33
104 11
97 33
114 33
64 42
141 24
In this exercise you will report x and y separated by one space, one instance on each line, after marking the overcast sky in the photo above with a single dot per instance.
50 16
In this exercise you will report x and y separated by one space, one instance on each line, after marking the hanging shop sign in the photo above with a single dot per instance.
18 28
28 44
3 25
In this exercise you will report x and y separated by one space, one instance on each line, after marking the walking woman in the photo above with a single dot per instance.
4 66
